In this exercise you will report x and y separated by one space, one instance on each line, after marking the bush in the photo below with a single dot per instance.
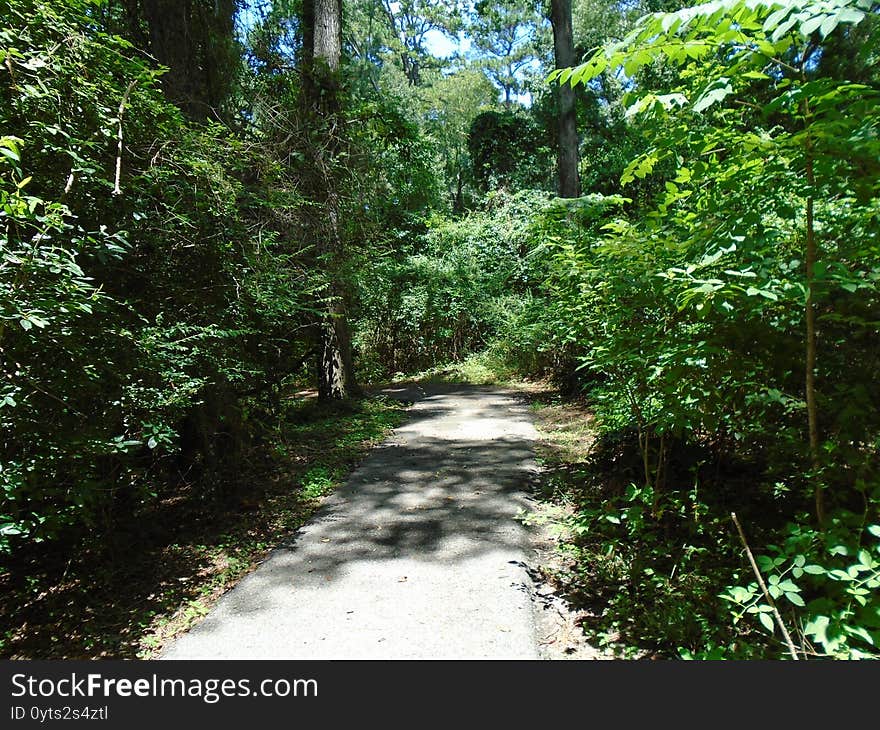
450 292
139 316
734 313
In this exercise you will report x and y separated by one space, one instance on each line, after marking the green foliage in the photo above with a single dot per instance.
451 105
83 604
687 311
763 30
138 305
509 149
394 172
447 294
509 37
161 278
650 560
385 34
825 584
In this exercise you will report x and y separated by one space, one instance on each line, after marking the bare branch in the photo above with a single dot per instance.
785 634
116 188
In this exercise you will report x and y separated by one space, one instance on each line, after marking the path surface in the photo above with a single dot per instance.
418 555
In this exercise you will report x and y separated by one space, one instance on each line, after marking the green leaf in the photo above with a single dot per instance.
11 143
766 621
859 632
775 18
850 15
714 94
782 29
810 25
829 25
817 628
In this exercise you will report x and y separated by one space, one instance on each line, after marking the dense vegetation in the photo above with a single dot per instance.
197 228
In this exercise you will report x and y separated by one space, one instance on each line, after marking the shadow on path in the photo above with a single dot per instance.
419 554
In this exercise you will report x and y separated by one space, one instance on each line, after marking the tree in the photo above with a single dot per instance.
410 21
195 39
563 49
452 104
321 98
507 37
740 43
509 149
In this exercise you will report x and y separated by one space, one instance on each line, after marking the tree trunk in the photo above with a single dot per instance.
195 40
563 49
322 50
811 257
171 44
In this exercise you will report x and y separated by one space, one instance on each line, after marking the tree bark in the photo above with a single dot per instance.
563 49
171 44
812 254
327 32
195 40
322 49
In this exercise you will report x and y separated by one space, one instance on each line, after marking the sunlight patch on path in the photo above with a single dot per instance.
418 555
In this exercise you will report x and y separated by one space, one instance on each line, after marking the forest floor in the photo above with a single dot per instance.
422 553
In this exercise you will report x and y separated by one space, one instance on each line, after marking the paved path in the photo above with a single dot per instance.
418 555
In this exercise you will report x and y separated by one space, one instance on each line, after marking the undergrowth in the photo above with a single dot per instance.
662 574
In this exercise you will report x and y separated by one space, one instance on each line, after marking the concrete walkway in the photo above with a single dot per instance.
418 555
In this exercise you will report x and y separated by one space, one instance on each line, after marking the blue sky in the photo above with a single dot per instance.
440 44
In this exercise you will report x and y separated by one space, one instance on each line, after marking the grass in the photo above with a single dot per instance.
169 567
481 368
566 432
565 450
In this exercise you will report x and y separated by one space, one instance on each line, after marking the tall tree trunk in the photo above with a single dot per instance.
563 49
195 40
322 50
169 23
812 253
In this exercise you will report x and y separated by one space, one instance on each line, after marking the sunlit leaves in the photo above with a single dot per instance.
745 28
690 313
651 102
716 92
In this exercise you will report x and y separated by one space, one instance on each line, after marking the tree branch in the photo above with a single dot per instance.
785 634
116 188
